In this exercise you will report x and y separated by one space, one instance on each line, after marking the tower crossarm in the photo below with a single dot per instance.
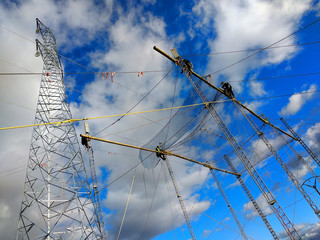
46 34
177 61
255 204
165 152
275 206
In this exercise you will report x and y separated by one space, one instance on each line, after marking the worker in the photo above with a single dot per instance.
227 89
159 153
85 142
187 65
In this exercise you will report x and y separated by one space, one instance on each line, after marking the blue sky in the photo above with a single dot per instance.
118 36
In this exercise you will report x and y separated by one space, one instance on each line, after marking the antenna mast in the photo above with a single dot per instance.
186 67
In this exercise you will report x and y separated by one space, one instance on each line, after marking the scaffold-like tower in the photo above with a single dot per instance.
58 200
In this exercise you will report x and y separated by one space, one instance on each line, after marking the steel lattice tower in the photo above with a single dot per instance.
57 200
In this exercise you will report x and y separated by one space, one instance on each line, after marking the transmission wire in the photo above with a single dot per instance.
251 55
136 103
249 50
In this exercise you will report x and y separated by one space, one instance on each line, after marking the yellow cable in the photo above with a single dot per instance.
109 116
125 211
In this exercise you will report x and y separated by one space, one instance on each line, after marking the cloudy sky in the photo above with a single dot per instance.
222 39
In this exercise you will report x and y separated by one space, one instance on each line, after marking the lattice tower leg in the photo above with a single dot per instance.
299 157
314 157
255 204
184 210
57 201
282 163
233 213
275 206
96 193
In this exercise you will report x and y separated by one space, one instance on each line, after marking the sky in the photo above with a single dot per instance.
222 38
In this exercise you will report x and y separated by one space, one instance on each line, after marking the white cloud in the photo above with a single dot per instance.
18 94
4 211
313 138
249 24
312 232
236 183
131 40
130 37
297 101
263 204
317 8
306 231
257 89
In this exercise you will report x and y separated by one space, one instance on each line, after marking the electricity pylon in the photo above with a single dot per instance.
57 199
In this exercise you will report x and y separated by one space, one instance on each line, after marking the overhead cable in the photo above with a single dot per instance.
249 50
136 103
148 111
269 46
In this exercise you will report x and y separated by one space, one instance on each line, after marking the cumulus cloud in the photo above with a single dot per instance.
313 138
297 101
249 25
18 94
317 8
306 231
126 45
312 232
263 204
257 89
131 40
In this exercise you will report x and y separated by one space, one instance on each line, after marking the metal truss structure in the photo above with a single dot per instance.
58 200
267 194
187 69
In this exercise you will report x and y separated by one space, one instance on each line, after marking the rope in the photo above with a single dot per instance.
108 116
125 211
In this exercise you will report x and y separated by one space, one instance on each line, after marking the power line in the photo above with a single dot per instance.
149 111
269 78
81 73
251 55
242 80
91 71
136 103
249 50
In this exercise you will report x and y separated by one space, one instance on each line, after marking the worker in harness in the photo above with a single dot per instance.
188 65
227 89
85 142
159 153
